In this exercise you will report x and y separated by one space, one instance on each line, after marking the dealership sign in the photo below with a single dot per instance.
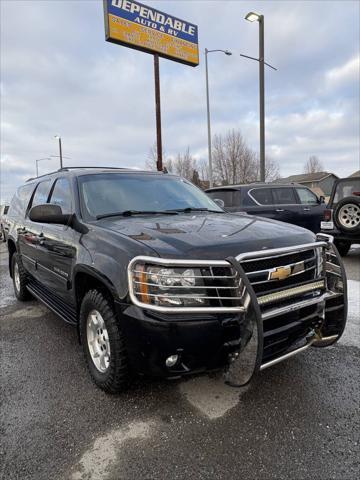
135 25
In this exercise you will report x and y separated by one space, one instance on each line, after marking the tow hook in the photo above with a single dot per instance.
320 341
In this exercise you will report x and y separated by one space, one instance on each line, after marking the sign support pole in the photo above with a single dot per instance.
159 163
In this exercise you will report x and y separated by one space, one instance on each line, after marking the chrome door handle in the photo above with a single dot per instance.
306 209
279 210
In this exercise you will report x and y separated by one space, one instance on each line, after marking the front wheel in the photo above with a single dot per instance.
103 343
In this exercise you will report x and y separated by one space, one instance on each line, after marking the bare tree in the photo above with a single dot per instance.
272 169
313 165
151 160
184 164
234 161
203 168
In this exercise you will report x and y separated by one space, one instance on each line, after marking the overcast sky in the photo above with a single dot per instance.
59 76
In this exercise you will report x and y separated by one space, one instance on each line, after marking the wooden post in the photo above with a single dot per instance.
159 163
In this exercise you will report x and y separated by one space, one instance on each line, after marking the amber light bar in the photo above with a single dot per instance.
291 292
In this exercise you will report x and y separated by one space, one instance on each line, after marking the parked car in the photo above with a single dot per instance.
3 222
160 280
290 203
342 215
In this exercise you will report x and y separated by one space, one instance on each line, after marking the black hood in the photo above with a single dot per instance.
207 235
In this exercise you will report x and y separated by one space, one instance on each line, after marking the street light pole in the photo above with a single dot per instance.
208 110
262 97
60 150
37 164
255 17
208 118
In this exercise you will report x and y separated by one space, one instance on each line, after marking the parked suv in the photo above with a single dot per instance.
290 203
342 215
159 280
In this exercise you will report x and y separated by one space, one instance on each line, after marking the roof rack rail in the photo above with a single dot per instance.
101 168
40 176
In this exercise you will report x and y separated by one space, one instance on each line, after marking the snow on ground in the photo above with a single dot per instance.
351 336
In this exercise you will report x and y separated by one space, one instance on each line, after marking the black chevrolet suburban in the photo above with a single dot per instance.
159 280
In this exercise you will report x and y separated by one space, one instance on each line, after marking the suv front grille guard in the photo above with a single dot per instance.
159 284
287 315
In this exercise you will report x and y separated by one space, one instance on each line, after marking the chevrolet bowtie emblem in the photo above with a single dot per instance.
280 273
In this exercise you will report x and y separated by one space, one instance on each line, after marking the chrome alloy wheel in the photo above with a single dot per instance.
98 341
16 276
349 215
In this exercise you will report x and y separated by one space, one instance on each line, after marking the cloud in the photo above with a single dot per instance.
345 74
59 76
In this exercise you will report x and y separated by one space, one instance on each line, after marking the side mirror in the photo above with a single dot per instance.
49 213
219 202
322 199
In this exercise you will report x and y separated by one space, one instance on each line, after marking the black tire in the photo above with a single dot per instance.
116 376
348 220
21 292
343 247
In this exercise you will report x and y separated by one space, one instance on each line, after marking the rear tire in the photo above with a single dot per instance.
19 277
342 246
103 343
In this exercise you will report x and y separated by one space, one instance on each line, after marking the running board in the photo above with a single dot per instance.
57 305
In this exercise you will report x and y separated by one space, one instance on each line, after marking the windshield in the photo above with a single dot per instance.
109 193
347 188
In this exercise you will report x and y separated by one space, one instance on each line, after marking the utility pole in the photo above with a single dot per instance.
159 162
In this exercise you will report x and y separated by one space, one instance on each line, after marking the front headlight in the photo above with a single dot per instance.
163 286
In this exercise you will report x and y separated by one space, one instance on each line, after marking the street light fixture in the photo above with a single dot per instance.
37 164
253 17
60 150
226 52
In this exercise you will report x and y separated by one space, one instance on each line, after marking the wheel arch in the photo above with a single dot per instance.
87 278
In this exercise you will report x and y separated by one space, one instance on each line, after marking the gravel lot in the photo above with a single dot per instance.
298 420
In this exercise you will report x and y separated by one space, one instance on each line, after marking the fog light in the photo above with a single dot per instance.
171 361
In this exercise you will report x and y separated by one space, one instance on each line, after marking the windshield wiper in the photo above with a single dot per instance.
194 209
129 213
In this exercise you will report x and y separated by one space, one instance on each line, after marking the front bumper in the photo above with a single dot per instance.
206 341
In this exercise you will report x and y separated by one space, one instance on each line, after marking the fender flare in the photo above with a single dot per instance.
95 274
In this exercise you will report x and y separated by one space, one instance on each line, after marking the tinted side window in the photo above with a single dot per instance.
41 193
306 196
262 195
231 198
21 200
6 209
61 195
284 196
